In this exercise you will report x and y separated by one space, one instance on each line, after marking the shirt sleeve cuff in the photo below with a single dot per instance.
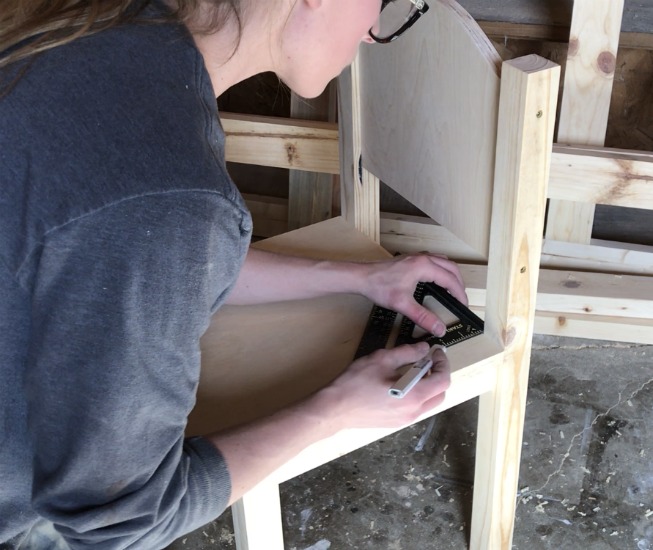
210 479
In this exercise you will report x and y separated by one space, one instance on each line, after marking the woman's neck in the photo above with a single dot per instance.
232 55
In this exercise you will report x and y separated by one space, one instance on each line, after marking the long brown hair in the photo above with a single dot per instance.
28 27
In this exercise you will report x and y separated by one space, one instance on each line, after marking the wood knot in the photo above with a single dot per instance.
574 45
562 321
509 336
607 62
571 284
291 153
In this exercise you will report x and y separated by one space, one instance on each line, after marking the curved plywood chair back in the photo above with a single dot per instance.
429 119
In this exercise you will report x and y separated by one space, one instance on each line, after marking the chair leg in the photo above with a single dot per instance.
525 132
257 519
498 453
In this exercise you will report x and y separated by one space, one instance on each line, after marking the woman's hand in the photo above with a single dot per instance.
359 397
391 284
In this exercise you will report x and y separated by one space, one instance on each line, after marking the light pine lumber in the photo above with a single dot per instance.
415 234
281 142
578 304
269 214
505 30
573 293
599 256
598 175
256 519
429 119
582 304
589 74
360 189
527 107
310 194
589 174
614 294
618 329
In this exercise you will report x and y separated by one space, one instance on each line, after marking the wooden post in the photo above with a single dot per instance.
527 107
589 74
257 519
359 188
310 194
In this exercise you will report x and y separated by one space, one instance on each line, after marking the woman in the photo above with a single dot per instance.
121 234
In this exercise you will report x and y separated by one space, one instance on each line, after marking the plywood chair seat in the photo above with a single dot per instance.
258 359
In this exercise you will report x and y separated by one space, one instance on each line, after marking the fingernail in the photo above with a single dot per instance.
423 347
439 329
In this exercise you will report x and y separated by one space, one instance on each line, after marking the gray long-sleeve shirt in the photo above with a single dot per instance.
120 234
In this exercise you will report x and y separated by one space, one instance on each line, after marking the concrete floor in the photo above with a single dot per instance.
586 478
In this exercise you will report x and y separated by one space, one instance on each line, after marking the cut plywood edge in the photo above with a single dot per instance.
414 234
334 239
429 119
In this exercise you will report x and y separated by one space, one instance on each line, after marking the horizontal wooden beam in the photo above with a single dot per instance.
619 329
600 256
580 304
568 293
589 305
281 142
414 234
593 175
500 30
423 235
600 175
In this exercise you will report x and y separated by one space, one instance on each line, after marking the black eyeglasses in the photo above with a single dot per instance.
397 16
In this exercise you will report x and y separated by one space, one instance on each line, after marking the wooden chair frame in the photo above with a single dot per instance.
493 366
606 296
589 289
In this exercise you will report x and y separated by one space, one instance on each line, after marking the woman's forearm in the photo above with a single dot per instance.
269 277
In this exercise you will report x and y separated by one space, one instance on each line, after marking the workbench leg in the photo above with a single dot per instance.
257 519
